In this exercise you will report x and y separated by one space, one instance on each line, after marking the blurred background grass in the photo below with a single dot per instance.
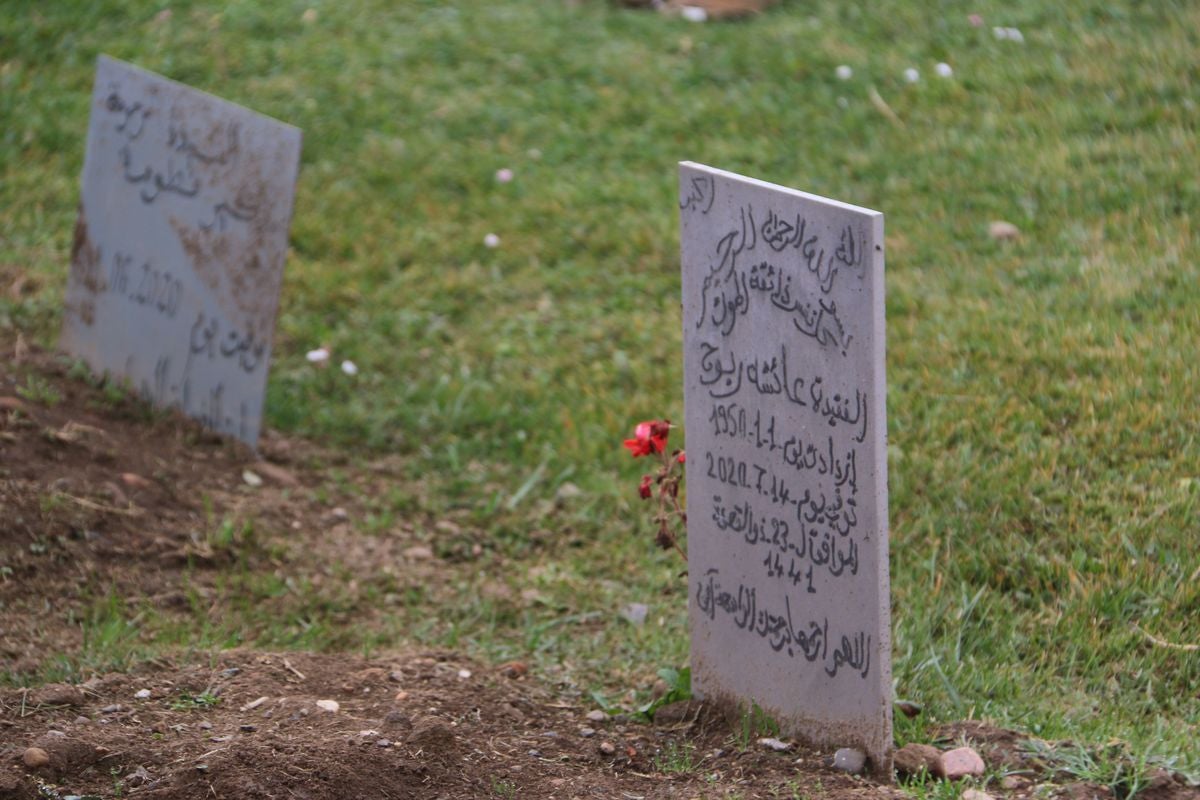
1043 417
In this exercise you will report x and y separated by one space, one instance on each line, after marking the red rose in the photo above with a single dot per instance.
649 437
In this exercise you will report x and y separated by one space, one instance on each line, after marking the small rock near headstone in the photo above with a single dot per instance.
276 473
35 757
252 478
596 715
1003 231
913 759
328 705
1012 783
959 763
513 669
608 748
587 732
771 743
142 694
908 708
383 743
114 708
975 794
204 725
849 760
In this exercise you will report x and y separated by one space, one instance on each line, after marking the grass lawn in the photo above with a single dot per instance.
1043 416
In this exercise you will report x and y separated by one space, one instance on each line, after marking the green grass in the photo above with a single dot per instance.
1043 452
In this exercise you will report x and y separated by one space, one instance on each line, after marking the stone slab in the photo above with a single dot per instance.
179 245
784 396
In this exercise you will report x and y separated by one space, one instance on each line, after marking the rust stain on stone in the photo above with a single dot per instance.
239 264
85 258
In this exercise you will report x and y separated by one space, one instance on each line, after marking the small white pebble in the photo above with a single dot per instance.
317 356
694 13
844 72
349 367
771 743
328 705
1015 35
943 69
491 240
1000 33
143 694
911 75
464 673
504 175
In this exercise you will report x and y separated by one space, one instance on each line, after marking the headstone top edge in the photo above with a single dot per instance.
775 187
291 130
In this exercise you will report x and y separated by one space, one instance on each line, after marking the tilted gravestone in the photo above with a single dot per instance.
784 398
179 246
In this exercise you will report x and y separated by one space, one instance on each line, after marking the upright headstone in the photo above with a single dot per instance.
179 246
783 331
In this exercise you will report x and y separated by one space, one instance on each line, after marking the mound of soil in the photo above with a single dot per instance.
101 496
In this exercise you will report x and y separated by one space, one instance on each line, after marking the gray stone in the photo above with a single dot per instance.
179 246
784 397
849 759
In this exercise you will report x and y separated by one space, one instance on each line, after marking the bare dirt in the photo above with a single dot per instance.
100 496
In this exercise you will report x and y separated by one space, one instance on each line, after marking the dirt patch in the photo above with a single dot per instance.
102 496
432 725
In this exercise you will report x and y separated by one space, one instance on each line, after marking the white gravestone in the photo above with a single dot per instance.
783 331
179 247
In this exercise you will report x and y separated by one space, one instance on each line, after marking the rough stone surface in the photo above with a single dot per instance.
912 759
959 763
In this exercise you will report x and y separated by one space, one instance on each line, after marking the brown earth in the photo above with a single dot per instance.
100 496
